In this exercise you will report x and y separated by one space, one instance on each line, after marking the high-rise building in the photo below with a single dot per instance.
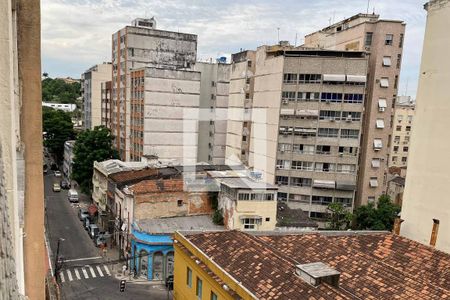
106 104
402 126
383 41
306 120
212 122
22 249
426 208
138 46
91 92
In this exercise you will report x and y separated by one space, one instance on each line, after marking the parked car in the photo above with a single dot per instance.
56 187
57 173
86 223
65 184
72 195
93 231
83 214
103 238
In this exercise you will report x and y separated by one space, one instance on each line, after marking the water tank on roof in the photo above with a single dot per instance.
222 60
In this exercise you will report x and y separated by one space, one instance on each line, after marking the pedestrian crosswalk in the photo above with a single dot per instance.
85 272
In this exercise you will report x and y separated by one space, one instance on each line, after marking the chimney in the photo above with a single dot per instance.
434 232
318 272
397 225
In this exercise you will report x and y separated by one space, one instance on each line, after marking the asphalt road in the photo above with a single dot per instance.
84 273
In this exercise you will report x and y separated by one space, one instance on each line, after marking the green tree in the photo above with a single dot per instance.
339 217
57 90
58 128
379 217
91 145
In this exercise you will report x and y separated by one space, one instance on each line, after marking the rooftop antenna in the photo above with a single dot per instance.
368 4
295 44
278 30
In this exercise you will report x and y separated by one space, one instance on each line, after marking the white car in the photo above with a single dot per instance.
57 173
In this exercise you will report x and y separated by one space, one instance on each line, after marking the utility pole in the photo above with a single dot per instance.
56 258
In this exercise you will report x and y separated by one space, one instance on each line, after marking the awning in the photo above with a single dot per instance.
387 61
384 82
373 183
241 217
334 77
305 130
380 123
375 163
382 104
307 112
377 143
324 184
92 209
345 186
289 112
356 78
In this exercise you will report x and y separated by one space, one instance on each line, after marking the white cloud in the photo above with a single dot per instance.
76 34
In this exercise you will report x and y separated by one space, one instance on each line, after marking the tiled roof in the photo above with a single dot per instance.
372 265
157 186
288 217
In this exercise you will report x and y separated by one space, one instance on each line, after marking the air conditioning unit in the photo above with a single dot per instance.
282 151
304 136
382 109
285 101
348 119
332 119
328 101
285 133
341 154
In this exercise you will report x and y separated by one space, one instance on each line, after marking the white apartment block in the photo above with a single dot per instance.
138 46
212 126
68 159
91 92
67 107
402 129
383 41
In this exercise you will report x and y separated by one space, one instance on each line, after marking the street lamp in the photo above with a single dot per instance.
56 257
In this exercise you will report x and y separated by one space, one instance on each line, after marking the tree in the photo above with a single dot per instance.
339 218
57 90
91 145
380 217
58 128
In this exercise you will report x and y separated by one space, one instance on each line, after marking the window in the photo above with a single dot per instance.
395 81
290 78
267 219
282 196
303 149
325 167
348 151
331 97
244 138
382 105
247 81
322 200
353 98
180 202
398 128
408 128
389 39
250 223
299 198
310 78
387 61
322 149
282 180
305 131
249 63
328 132
346 168
368 40
302 165
395 148
213 296
288 96
400 40
394 158
373 182
308 96
370 199
189 277
213 83
283 164
243 196
405 149
384 82
199 288
284 147
406 139
397 139
404 159
377 144
399 60
298 181
351 116
346 202
330 115
349 133
410 118
247 96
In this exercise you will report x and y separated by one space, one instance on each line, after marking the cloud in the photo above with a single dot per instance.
76 34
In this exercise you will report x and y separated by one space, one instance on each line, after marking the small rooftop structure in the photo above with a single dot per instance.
170 225
247 183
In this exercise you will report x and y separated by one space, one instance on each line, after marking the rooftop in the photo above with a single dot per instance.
372 265
288 217
170 225
246 183
134 176
158 186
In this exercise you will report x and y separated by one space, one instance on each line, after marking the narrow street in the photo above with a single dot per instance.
85 274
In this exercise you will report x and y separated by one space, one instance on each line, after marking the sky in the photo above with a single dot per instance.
76 34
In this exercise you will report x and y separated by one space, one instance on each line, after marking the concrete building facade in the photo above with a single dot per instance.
137 46
106 111
426 209
212 126
383 41
402 129
68 158
91 92
67 107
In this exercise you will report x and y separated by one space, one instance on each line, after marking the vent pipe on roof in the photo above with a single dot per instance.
434 232
318 272
397 224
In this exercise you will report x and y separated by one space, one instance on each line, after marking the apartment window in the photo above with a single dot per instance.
405 149
389 39
395 81
290 78
330 115
305 131
397 139
400 40
377 144
349 133
189 277
213 296
348 151
250 223
353 98
373 182
346 168
406 139
284 147
404 159
323 149
282 180
410 118
318 215
244 138
394 158
328 132
180 202
370 199
387 61
399 60
199 288
324 167
247 96
283 164
384 82
298 181
213 83
400 118
299 198
303 149
408 128
398 128
243 152
322 200
282 196
267 219
331 97
288 96
310 78
368 39
346 202
303 165
308 96
249 63
351 116
395 148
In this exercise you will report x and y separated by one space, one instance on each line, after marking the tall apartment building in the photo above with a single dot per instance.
138 46
164 112
106 111
22 249
402 126
212 122
383 41
240 101
426 208
91 91
306 124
